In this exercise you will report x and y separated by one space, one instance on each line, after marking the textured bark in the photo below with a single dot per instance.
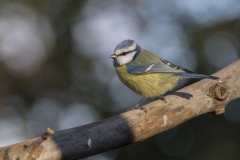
135 125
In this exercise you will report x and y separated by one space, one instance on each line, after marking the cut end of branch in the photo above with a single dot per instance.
26 152
218 91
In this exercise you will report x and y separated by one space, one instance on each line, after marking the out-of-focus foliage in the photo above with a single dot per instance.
55 69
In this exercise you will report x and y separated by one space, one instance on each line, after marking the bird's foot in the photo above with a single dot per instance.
139 107
161 98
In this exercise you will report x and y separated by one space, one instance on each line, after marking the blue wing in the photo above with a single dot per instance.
150 68
164 66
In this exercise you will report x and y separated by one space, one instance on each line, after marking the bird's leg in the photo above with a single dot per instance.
140 107
161 98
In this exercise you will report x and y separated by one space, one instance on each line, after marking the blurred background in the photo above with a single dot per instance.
55 69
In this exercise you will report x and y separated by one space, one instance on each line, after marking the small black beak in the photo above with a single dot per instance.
113 56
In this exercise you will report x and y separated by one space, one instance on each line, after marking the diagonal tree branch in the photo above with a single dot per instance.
135 125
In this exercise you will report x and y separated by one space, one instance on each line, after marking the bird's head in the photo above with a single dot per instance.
125 52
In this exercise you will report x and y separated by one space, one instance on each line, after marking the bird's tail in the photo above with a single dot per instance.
195 75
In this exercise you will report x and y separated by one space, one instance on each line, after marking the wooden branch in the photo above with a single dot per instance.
135 125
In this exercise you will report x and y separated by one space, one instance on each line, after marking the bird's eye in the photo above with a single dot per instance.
124 53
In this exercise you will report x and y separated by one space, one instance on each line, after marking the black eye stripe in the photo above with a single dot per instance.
123 53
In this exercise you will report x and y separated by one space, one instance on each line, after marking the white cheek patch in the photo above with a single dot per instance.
125 59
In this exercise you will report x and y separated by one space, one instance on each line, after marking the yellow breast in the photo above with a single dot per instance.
147 85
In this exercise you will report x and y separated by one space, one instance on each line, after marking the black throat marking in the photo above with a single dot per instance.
115 63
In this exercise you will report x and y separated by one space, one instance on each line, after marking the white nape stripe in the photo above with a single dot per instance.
126 49
131 48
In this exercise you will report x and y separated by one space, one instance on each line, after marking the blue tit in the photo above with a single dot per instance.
147 74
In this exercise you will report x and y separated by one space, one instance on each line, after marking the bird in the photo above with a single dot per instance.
147 74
